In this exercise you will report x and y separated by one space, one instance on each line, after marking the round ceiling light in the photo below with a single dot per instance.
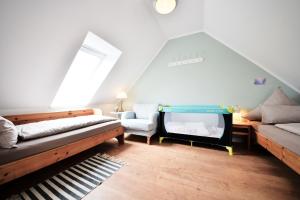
164 6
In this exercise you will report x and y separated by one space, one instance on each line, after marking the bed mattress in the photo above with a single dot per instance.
35 146
284 138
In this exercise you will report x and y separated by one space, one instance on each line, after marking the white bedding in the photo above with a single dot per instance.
51 127
194 128
292 127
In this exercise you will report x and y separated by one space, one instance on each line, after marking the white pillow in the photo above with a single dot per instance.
8 134
143 111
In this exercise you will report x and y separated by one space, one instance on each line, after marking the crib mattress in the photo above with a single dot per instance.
194 128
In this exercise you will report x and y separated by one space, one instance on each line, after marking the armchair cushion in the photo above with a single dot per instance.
138 124
128 115
142 111
153 118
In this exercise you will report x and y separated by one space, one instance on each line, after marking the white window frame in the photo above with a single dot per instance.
69 96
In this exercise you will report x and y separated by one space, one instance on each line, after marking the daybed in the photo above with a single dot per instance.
282 144
31 155
278 110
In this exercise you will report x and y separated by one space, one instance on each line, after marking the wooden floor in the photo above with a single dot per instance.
179 171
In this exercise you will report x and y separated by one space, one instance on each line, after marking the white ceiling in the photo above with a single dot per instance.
40 38
185 19
264 31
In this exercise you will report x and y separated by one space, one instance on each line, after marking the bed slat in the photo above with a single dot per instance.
36 117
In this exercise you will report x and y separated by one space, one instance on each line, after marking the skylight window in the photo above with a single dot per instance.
90 67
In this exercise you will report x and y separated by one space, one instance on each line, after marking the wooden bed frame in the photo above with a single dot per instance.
18 168
282 153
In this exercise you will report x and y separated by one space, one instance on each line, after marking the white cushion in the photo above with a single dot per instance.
138 124
292 127
143 111
8 134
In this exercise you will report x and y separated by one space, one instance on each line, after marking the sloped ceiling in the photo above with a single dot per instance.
264 31
39 40
187 18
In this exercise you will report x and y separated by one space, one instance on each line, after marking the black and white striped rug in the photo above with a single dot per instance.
75 182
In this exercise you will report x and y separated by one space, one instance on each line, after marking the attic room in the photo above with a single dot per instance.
149 99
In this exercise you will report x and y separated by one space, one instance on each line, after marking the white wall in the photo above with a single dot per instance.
265 31
223 78
39 40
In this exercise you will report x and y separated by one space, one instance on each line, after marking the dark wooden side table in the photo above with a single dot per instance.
243 128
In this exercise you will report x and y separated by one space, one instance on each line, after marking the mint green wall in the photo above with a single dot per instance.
224 77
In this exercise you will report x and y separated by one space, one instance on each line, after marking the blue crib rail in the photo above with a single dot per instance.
215 109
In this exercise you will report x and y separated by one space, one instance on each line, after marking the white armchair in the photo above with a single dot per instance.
141 121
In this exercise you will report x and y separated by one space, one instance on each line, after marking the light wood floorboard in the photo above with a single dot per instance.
178 171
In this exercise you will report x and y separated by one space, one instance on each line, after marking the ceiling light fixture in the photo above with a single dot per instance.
164 6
